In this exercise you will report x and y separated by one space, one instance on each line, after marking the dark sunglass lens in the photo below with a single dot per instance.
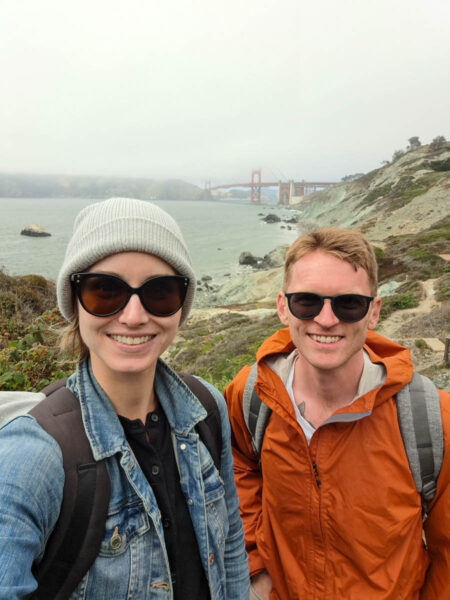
304 305
350 307
102 294
163 296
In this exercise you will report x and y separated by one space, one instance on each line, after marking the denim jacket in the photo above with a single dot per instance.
135 566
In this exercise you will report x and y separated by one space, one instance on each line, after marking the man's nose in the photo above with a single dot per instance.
326 317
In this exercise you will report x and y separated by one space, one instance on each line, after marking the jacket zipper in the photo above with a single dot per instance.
316 474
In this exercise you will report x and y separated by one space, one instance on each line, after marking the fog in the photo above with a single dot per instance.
207 90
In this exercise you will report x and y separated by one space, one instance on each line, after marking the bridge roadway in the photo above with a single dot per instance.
306 184
286 189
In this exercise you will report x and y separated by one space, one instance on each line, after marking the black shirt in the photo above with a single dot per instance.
152 446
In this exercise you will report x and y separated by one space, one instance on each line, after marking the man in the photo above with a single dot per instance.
330 507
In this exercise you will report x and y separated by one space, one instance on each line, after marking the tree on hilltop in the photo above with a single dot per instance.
414 143
352 177
397 154
438 142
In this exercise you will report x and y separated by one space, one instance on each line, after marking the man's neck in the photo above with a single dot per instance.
322 392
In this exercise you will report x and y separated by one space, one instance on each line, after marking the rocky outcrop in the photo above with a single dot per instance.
247 258
35 231
271 218
275 258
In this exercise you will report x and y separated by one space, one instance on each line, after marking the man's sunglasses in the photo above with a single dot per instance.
105 295
348 308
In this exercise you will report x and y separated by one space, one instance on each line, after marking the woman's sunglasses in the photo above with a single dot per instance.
348 308
105 295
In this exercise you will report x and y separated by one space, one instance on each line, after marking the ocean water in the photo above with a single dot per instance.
215 232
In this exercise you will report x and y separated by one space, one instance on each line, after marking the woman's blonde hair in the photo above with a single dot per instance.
70 341
347 244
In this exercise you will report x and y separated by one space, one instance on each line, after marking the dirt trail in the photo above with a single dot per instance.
391 326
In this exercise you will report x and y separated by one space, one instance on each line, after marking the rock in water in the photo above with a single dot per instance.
247 258
271 218
35 231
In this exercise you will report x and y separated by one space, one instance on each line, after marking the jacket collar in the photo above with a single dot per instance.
103 428
276 353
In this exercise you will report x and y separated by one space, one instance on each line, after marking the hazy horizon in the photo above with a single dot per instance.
209 91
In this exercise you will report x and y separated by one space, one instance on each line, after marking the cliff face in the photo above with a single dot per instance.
405 197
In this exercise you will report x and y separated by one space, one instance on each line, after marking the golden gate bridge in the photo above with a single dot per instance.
287 190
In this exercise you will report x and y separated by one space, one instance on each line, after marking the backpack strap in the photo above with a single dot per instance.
256 413
210 429
420 420
75 542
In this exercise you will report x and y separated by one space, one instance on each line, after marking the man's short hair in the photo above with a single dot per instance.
346 244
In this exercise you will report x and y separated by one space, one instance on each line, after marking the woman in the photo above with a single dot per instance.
125 286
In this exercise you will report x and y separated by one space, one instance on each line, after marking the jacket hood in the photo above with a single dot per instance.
395 358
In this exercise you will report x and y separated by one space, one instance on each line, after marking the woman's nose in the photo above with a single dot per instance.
134 313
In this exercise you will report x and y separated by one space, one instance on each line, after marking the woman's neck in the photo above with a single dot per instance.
132 394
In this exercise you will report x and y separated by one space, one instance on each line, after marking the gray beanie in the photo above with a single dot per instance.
123 225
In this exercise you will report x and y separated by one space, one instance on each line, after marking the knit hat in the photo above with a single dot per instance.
123 225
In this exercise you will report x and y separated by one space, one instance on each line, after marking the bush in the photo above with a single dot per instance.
397 302
32 362
379 252
421 344
442 288
397 154
22 299
437 143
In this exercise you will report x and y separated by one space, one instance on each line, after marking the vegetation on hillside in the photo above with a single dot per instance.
22 299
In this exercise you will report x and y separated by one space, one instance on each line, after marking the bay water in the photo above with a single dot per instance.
215 232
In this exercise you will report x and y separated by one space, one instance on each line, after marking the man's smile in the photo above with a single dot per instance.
325 339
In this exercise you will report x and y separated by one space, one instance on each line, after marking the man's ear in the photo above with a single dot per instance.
375 312
282 308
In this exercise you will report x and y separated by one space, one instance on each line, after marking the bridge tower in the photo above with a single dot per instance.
207 192
283 192
256 187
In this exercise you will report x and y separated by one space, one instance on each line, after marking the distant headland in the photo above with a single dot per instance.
15 185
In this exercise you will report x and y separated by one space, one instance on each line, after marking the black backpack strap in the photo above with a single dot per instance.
75 542
420 420
210 429
256 413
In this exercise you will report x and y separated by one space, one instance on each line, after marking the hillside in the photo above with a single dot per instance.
64 186
404 197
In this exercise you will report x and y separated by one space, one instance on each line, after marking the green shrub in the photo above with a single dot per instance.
22 299
443 288
398 302
421 344
379 252
32 361
403 301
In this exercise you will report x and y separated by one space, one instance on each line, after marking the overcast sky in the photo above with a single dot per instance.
202 89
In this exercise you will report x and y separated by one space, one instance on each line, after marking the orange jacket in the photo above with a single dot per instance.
341 518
